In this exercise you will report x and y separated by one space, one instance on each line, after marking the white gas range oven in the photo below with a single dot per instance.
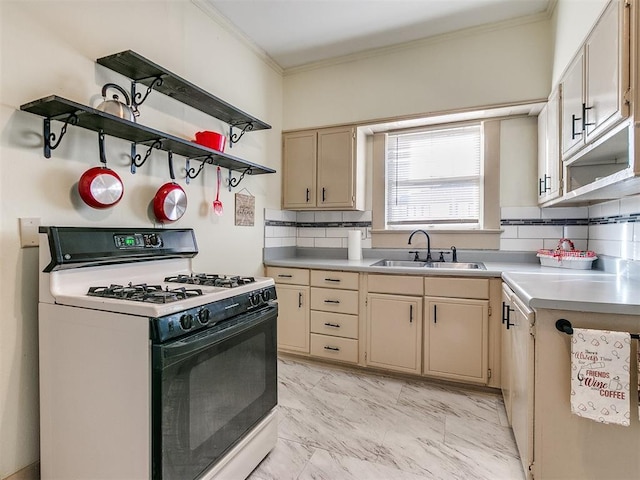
149 370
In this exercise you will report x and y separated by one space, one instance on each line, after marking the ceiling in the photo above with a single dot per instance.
298 32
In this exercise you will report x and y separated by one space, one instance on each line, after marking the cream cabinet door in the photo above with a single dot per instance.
394 332
456 338
572 85
506 369
299 170
604 86
336 168
293 318
549 164
522 358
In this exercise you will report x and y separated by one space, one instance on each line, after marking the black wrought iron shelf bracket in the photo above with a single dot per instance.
234 182
138 98
191 172
72 113
142 70
51 141
235 138
136 160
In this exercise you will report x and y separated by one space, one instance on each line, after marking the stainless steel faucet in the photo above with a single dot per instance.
417 258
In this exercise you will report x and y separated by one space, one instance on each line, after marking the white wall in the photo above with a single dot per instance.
467 69
570 24
50 47
518 162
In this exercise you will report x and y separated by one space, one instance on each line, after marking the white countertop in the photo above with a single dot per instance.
539 287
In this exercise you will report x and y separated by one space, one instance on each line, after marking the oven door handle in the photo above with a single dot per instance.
167 354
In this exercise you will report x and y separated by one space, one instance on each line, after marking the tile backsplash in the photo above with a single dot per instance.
611 228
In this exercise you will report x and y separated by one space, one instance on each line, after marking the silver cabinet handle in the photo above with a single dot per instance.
332 301
334 325
333 349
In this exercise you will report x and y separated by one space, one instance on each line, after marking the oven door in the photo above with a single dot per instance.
209 390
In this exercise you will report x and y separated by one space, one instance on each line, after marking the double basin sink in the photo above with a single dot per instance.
443 265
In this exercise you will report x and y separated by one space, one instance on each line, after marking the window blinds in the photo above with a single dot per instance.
434 177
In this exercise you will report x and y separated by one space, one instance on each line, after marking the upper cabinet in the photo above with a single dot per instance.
323 169
595 86
598 114
549 165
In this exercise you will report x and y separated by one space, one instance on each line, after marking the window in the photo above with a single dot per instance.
435 177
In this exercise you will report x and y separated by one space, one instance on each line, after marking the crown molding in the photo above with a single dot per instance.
227 25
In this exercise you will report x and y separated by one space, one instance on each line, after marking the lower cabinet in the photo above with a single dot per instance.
456 338
293 318
394 338
292 289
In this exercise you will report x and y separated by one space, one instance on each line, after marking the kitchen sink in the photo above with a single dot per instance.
441 265
457 265
398 263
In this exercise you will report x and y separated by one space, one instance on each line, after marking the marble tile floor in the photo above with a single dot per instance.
344 424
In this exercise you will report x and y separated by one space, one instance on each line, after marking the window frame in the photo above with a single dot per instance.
439 225
486 235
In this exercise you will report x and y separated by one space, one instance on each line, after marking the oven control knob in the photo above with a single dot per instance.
255 299
266 295
186 321
204 316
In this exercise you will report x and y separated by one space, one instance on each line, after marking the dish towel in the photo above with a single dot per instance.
600 375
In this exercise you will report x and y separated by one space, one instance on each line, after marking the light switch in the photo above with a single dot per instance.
29 232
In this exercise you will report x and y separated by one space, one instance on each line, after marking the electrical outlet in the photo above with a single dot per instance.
29 232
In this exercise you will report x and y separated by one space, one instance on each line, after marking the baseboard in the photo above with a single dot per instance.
32 472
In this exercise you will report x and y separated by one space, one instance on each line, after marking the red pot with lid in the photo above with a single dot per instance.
100 187
170 201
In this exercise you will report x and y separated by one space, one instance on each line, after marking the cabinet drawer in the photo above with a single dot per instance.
294 276
337 324
332 300
336 348
329 279
395 284
456 287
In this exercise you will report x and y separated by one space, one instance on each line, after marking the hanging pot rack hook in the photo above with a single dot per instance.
136 160
103 157
50 142
235 138
192 172
170 159
234 182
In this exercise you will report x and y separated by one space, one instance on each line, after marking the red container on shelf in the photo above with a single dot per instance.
211 140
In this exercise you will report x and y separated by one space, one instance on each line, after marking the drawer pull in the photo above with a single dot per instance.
337 280
333 349
334 325
435 314
299 299
284 275
410 313
332 301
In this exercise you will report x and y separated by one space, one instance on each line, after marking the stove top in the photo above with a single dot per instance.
144 293
211 280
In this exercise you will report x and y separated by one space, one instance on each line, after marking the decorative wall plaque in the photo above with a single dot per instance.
245 209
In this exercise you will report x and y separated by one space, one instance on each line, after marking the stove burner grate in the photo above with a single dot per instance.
144 293
211 280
